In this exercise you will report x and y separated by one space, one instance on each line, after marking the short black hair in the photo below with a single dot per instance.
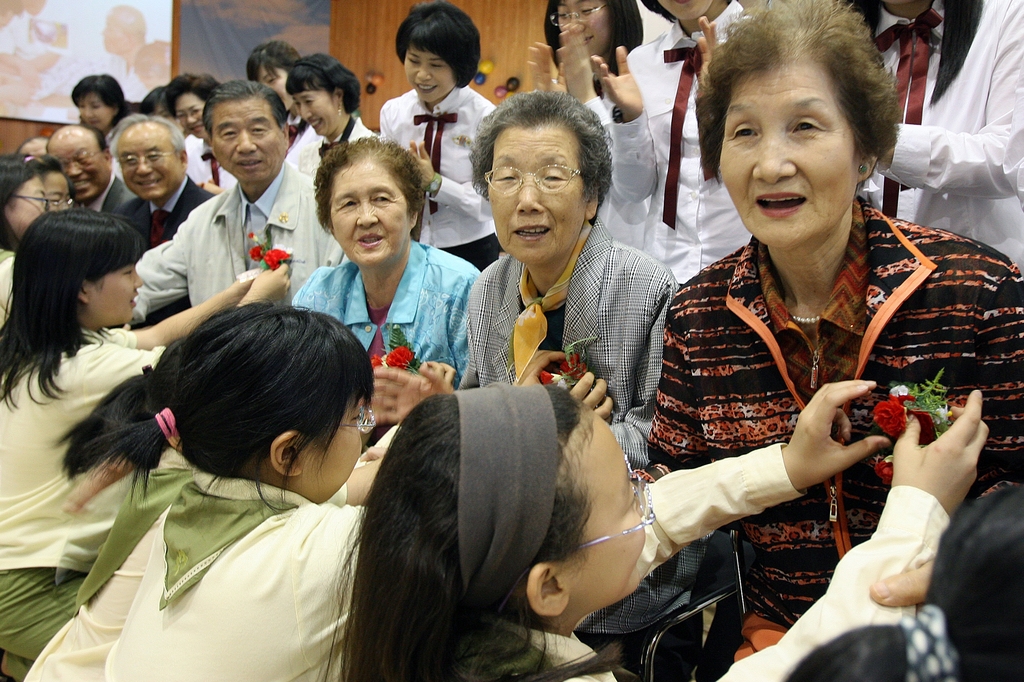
200 85
14 172
444 29
234 91
273 54
323 72
107 89
59 252
153 99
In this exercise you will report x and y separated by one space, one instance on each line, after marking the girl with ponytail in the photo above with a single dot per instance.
62 349
502 517
267 407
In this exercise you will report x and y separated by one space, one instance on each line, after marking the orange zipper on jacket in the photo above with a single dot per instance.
834 486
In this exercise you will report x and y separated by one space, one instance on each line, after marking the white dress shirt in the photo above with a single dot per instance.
954 159
307 137
309 157
707 225
199 170
462 215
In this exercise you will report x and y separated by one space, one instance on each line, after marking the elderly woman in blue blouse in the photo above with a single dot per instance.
369 196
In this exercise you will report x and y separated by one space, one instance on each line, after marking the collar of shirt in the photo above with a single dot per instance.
265 204
97 203
407 298
173 201
887 19
847 306
677 37
447 105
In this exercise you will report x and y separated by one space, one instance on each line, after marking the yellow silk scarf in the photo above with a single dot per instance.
531 326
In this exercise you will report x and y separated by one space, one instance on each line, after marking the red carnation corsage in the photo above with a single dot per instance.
925 401
400 356
571 370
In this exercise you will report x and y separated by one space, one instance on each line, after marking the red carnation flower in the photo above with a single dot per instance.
256 253
884 471
275 257
375 361
891 417
927 427
399 357
546 377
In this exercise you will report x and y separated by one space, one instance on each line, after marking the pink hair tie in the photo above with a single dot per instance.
165 419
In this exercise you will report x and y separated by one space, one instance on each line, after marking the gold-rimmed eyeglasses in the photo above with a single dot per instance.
563 19
508 180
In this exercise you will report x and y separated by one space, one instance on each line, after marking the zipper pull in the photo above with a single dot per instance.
833 503
814 369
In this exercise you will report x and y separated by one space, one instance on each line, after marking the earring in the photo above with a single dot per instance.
863 168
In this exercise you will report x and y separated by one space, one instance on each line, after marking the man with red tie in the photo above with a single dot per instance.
151 151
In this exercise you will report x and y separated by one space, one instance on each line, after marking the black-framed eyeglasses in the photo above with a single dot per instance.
509 180
132 161
366 422
562 19
644 506
44 200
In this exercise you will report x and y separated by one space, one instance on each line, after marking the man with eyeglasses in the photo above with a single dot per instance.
85 159
151 151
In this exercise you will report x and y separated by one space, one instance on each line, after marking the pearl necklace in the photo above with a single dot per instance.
806 320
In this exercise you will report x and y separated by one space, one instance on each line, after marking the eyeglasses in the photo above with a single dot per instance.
561 19
644 506
508 180
132 161
81 157
45 201
185 114
367 422
61 204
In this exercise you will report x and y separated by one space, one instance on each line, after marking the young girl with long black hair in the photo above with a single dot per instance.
268 407
502 516
62 350
956 64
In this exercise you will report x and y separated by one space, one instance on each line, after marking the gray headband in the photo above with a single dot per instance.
507 473
931 656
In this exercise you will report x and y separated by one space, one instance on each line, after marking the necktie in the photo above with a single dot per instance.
214 167
692 62
293 132
156 227
911 79
326 147
432 140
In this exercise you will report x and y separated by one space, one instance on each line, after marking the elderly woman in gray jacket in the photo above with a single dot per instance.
543 161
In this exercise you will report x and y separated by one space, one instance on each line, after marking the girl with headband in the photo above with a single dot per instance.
503 516
241 582
958 635
61 350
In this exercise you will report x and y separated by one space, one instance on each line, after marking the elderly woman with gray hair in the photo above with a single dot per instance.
543 161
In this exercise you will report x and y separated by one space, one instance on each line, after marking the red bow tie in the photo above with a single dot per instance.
911 80
432 140
692 61
214 167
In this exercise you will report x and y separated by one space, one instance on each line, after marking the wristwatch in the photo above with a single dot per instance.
434 186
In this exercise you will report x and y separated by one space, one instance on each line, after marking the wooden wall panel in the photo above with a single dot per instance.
363 39
15 131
